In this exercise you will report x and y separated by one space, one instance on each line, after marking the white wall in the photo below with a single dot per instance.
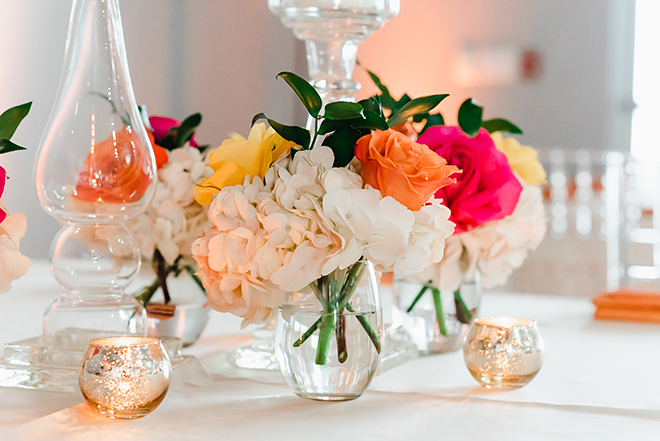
586 49
219 57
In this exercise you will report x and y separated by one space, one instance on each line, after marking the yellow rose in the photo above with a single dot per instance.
238 157
522 159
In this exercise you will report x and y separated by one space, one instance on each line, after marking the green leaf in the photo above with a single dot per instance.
257 117
178 136
413 107
343 110
7 146
342 142
294 134
420 117
469 116
371 121
187 128
405 99
372 103
305 91
11 118
387 100
501 125
435 119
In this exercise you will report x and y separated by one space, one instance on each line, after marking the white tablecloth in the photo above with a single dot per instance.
599 382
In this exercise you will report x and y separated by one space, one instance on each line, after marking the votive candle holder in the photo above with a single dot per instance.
504 352
125 377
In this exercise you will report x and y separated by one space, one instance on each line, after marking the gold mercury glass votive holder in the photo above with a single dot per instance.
503 352
125 377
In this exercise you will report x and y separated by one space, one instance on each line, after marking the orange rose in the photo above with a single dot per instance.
116 170
397 166
160 153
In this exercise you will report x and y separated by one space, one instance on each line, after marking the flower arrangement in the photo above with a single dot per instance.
288 215
496 203
13 264
166 230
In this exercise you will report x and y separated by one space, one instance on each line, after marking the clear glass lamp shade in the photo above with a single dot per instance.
94 170
95 162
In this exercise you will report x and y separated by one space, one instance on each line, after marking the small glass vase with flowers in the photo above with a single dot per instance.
167 228
299 230
497 207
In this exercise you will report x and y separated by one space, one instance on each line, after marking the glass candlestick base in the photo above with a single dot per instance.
261 352
95 169
94 263
33 364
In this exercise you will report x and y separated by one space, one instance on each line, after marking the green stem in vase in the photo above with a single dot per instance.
367 327
333 292
463 314
340 332
195 277
318 292
325 335
148 292
419 296
162 271
312 329
439 313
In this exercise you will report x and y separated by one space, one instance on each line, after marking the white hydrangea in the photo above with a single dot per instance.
305 221
495 248
507 246
173 219
13 264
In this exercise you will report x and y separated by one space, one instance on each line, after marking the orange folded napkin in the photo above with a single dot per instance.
628 305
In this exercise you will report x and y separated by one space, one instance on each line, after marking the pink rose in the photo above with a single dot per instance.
487 189
162 124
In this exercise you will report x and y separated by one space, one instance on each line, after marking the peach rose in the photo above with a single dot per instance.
397 166
117 171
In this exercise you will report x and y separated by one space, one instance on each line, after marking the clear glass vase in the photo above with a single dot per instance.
184 317
328 345
437 320
332 31
94 170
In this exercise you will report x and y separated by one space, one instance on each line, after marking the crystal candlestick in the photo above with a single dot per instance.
95 169
332 31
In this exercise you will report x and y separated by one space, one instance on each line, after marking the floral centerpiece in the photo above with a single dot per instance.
496 203
13 264
166 230
288 215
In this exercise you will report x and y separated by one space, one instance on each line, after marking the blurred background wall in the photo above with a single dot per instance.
560 69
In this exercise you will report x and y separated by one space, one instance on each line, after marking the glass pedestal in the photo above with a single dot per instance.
32 364
261 352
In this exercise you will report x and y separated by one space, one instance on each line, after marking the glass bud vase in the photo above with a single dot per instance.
437 320
328 344
94 170
332 31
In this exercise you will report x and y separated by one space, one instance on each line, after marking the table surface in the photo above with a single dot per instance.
599 381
